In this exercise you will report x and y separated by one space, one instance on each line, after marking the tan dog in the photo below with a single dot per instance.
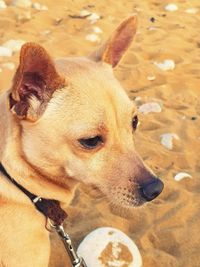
61 123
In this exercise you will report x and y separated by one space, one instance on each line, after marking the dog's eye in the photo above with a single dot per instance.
91 143
135 122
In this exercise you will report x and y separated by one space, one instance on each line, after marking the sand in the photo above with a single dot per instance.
166 231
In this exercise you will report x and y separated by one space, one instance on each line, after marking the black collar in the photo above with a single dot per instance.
50 208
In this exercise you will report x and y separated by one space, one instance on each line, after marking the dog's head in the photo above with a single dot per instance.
78 123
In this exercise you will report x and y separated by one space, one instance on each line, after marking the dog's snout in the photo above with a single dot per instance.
152 190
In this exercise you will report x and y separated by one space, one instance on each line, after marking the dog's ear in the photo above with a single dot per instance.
112 51
34 82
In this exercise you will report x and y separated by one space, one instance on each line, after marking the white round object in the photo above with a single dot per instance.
181 175
109 247
171 7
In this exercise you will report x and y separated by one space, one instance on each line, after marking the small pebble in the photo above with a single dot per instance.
150 107
181 175
192 10
22 3
2 5
171 7
167 64
92 38
114 249
5 52
14 45
193 118
152 19
39 7
167 140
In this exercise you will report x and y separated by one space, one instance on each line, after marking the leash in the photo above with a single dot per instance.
51 209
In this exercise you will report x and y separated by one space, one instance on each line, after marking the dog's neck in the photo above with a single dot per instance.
11 155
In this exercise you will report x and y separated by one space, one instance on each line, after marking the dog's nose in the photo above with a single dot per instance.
152 190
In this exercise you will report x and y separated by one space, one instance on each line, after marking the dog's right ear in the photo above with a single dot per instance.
34 83
113 50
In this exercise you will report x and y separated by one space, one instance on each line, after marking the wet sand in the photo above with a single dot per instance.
166 231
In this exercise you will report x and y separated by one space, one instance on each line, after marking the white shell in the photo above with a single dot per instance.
167 64
92 38
97 30
8 65
192 10
171 7
14 45
2 4
181 175
84 13
151 78
167 140
22 3
39 7
108 246
5 52
93 17
150 107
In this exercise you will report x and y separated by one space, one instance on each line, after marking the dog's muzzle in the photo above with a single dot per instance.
151 190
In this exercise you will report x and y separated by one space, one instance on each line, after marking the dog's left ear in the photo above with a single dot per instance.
34 83
112 51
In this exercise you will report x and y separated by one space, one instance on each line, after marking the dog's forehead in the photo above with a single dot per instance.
88 79
92 97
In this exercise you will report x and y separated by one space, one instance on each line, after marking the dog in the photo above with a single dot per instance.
66 122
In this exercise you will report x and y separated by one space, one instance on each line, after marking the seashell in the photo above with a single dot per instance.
182 175
167 140
171 7
151 78
5 52
9 65
14 45
2 5
108 246
92 38
192 10
22 3
39 7
93 17
167 64
97 30
150 107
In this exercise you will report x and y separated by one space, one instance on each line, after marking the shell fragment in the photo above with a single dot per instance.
181 175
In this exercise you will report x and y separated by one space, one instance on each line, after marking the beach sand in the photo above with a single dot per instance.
166 231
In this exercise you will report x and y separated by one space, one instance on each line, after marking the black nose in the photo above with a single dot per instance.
152 190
